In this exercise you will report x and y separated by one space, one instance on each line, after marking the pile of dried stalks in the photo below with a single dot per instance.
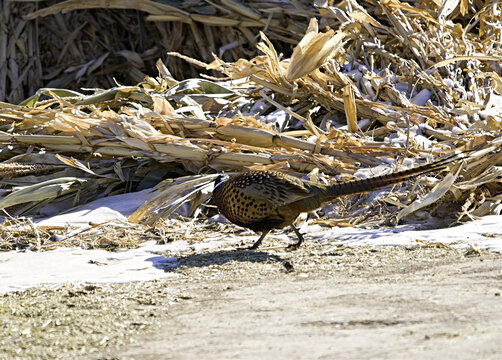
80 44
382 82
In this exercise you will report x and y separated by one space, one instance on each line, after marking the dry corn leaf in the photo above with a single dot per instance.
434 195
170 196
314 50
46 190
349 101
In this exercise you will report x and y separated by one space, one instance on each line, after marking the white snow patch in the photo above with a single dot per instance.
484 234
111 208
22 270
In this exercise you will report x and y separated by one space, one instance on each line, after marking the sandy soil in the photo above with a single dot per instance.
320 302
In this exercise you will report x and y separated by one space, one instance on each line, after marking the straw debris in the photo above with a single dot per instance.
362 87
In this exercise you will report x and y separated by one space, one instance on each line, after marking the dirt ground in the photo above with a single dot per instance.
319 302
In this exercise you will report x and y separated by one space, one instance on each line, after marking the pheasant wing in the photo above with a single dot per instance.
276 188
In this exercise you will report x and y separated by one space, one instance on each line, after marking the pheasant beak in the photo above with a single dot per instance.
219 180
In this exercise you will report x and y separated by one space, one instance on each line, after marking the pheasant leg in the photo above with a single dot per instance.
258 242
300 239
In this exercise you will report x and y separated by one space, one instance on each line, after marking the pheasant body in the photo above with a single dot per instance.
266 200
262 200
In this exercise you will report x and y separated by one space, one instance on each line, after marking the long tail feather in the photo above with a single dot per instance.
364 185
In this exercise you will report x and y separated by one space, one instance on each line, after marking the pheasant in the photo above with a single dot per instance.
266 200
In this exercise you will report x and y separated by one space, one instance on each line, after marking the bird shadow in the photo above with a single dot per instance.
219 257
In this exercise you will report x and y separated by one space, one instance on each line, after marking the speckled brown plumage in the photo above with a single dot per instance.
266 200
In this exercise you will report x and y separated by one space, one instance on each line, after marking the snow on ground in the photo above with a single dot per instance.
485 233
21 270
